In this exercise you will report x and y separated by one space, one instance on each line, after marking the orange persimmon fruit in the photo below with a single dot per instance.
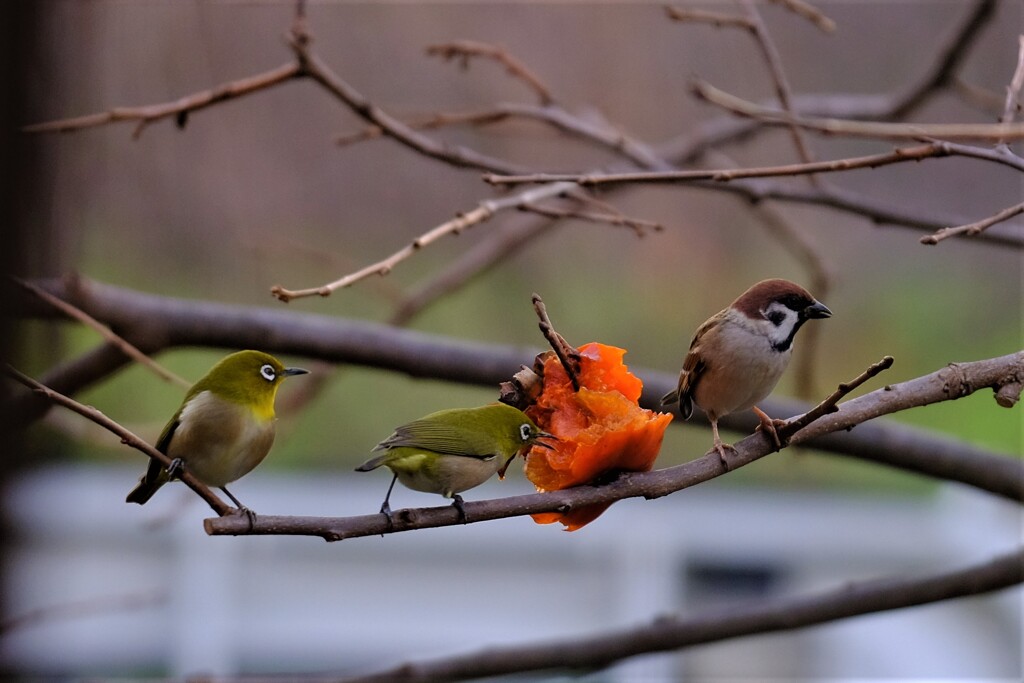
601 428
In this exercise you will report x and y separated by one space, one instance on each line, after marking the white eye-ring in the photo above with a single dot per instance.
268 373
525 431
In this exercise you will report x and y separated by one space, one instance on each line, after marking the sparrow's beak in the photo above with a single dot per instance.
817 310
288 372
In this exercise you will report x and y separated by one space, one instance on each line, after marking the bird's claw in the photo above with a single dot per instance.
770 427
460 506
175 468
385 510
249 514
722 449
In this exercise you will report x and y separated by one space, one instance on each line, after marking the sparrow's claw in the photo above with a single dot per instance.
458 503
769 427
722 449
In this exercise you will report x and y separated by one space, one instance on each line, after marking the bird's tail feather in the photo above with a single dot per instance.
143 491
372 463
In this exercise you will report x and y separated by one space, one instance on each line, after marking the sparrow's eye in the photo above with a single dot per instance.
776 317
268 373
525 432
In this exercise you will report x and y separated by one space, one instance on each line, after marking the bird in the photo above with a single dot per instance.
738 355
224 427
453 450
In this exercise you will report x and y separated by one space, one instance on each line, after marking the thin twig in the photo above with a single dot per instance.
127 437
983 132
717 19
1012 105
781 84
129 349
567 354
897 156
455 155
808 12
637 225
976 228
179 109
829 405
483 212
463 50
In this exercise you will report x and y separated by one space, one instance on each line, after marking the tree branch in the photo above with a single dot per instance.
976 228
180 109
164 322
675 632
951 383
127 437
463 50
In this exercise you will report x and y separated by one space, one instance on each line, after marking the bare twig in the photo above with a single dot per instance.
483 212
455 155
953 52
897 156
130 350
781 84
976 228
567 354
675 632
180 109
1012 105
809 12
496 248
127 437
717 19
983 132
463 50
637 225
829 405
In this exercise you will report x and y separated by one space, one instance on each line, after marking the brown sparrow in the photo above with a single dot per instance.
738 355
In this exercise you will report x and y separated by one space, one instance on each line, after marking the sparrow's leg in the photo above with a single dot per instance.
458 503
722 448
248 513
769 427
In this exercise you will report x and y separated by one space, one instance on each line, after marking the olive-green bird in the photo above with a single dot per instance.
224 427
450 451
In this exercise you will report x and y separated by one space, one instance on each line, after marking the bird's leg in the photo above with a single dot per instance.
175 468
385 507
769 427
238 504
459 505
722 448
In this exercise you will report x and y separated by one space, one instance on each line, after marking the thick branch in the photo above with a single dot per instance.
951 383
677 632
159 322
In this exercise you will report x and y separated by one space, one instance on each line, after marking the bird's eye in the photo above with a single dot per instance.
525 432
268 373
776 317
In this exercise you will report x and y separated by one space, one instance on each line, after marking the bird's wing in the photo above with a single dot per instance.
437 436
693 367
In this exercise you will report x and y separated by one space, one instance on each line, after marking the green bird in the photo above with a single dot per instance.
450 451
224 427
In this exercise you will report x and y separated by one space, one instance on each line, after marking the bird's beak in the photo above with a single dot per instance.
288 372
545 435
817 310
